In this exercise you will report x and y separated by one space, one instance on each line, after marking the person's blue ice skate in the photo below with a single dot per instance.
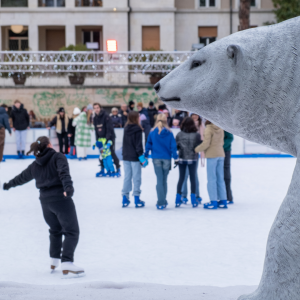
194 201
230 202
3 159
178 200
101 173
126 202
211 205
161 207
118 173
138 202
222 204
185 200
199 199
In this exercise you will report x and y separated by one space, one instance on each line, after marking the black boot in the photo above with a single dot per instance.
23 154
19 154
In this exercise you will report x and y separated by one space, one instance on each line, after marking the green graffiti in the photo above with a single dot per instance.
6 101
112 97
47 103
80 99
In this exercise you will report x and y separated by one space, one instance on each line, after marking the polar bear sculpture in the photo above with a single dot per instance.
249 84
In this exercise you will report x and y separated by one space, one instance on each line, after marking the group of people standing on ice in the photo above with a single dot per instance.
194 138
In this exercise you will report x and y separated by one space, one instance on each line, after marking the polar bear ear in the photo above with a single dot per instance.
235 53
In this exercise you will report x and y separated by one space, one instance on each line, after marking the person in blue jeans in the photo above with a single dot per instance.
133 159
162 144
213 147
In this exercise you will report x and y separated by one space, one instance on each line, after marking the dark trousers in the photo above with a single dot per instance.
63 140
2 140
62 220
192 170
72 140
147 128
227 175
114 156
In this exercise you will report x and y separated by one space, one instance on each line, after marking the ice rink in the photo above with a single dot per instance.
183 246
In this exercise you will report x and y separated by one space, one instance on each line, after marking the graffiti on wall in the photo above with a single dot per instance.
46 102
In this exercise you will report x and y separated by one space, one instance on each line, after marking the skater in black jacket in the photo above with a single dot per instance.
52 175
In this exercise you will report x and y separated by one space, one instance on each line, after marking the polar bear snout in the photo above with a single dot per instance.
157 87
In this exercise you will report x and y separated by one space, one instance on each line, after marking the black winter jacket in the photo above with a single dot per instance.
152 113
186 144
20 118
103 126
52 175
4 119
132 143
116 120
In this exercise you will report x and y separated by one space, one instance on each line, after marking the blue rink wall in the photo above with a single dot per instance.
240 148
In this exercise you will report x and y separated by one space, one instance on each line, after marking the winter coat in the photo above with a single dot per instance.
103 126
213 142
228 138
52 175
152 112
20 118
61 124
4 123
162 146
116 120
144 111
83 131
71 128
186 143
124 118
132 142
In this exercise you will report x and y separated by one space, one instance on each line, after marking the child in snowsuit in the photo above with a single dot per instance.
105 155
52 175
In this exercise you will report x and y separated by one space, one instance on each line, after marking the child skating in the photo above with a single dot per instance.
52 175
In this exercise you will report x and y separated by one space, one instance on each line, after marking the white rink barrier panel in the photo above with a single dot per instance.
240 147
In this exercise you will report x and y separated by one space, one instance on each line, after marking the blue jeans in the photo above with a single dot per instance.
162 169
184 190
215 179
21 139
133 172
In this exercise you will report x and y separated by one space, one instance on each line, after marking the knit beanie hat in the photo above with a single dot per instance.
89 107
131 102
76 111
61 109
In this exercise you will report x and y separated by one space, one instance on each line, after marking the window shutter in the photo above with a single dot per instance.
150 38
208 31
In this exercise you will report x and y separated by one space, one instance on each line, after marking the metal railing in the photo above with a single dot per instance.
91 62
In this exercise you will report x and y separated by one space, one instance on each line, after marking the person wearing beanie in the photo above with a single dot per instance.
145 120
71 131
61 122
131 105
116 118
152 111
21 122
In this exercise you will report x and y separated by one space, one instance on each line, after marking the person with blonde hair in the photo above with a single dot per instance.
162 144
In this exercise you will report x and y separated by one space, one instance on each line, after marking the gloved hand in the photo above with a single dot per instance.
143 161
94 146
108 144
99 145
6 187
176 162
69 191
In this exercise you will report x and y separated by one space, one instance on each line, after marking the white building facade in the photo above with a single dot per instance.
135 24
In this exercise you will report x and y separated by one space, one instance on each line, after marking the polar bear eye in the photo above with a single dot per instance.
196 64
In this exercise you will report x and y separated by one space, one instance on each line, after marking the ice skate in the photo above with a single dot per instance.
230 202
178 200
222 204
101 173
184 200
161 207
126 202
194 201
70 270
138 202
199 199
211 205
54 263
118 173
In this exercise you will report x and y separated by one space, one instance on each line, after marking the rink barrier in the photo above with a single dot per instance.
232 156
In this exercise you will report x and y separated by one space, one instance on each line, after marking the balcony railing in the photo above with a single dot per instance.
88 3
14 3
91 62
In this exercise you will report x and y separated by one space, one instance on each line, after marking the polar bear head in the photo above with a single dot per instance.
246 83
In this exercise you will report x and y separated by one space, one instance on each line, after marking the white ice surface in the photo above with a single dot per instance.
185 246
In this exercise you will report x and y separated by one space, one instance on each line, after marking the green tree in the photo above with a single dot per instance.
286 9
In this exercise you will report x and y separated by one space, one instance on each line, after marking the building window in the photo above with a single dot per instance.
88 3
207 3
18 41
150 38
14 3
91 39
52 3
207 35
253 3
